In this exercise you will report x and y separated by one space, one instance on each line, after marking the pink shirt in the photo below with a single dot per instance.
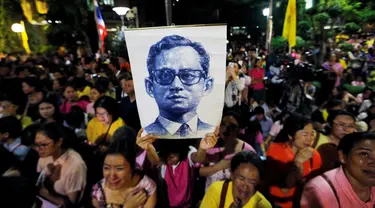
259 138
317 193
67 105
257 74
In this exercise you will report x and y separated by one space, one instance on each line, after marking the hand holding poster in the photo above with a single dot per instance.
179 79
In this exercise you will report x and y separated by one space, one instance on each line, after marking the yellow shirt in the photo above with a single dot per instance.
212 198
343 64
96 129
84 92
323 139
26 121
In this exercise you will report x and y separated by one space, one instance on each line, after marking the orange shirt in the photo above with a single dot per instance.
283 154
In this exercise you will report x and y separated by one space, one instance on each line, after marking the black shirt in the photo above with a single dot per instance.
129 113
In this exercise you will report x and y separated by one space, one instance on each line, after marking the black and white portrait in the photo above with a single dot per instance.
179 78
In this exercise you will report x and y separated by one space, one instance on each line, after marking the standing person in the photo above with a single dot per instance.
122 185
101 128
351 184
291 160
71 99
128 104
120 91
114 66
241 190
257 75
62 171
333 65
340 124
10 133
233 87
217 159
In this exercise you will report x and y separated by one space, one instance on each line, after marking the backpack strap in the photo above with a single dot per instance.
224 191
332 188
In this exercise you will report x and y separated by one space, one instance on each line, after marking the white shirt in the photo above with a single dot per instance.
232 89
172 127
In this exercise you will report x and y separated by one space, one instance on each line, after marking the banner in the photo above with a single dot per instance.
179 78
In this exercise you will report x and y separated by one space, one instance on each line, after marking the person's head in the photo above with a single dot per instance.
9 106
247 171
30 85
173 151
230 126
76 117
28 135
179 74
119 163
50 140
253 52
258 62
357 155
4 69
282 116
341 123
127 85
298 131
114 65
70 92
106 110
58 74
49 109
259 113
334 104
59 83
367 93
96 92
10 128
332 57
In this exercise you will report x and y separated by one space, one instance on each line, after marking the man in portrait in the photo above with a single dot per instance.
178 79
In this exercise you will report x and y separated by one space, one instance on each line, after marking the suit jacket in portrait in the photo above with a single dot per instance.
157 128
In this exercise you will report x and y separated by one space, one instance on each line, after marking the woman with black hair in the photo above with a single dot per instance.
32 89
241 191
122 185
62 178
95 93
351 184
106 122
49 110
72 99
340 123
291 160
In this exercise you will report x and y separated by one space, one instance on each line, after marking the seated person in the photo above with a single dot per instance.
240 191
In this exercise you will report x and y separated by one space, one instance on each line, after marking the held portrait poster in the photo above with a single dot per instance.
179 78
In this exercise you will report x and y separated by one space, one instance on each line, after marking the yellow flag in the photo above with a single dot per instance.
290 23
41 6
25 39
27 10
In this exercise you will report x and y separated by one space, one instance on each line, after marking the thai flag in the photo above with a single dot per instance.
100 24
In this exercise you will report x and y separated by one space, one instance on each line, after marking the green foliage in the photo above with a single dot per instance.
335 11
368 15
279 43
312 11
351 28
346 47
322 18
300 43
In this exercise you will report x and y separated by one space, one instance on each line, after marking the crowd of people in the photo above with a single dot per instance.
293 134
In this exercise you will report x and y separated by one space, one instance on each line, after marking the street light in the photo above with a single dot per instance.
121 11
17 28
266 12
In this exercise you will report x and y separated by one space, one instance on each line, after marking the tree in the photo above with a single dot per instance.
279 44
70 22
